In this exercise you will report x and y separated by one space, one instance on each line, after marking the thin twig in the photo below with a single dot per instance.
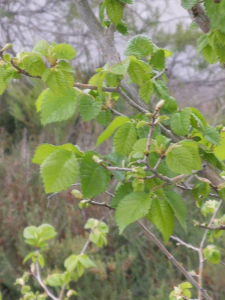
174 261
104 204
201 257
184 244
38 277
159 74
150 134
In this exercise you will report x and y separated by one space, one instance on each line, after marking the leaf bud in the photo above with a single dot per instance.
160 104
77 194
97 160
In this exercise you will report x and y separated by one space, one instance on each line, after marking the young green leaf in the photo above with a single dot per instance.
139 46
212 135
42 48
146 91
64 51
124 138
114 11
188 4
161 215
212 254
121 192
177 205
117 122
180 122
59 171
132 208
179 160
33 64
89 107
57 108
104 117
94 178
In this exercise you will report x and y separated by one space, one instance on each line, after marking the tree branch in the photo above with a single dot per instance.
38 277
174 261
184 244
198 16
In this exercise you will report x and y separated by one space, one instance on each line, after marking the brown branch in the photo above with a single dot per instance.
198 16
208 227
104 204
38 278
83 86
174 261
167 253
180 242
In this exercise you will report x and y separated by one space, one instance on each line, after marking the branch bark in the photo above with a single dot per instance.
198 16
174 261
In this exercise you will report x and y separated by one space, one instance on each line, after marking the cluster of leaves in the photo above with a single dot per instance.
212 44
146 163
136 195
113 9
182 291
75 265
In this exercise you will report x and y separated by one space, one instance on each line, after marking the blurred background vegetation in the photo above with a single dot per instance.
130 267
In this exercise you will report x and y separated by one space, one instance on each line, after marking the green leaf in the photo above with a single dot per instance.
65 66
112 79
188 4
201 189
33 64
57 108
46 232
122 28
117 122
209 54
139 147
139 46
94 178
132 208
59 171
158 59
180 122
71 263
192 147
44 150
64 51
57 83
120 68
2 81
114 11
161 215
178 207
179 160
136 73
161 89
39 100
120 193
126 1
212 254
30 232
212 135
55 280
220 52
124 138
104 117
202 42
42 48
220 150
89 107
